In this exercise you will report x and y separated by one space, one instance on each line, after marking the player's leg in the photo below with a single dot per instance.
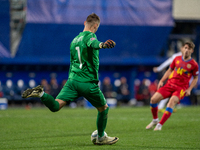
163 92
92 93
162 104
102 119
157 97
177 95
66 94
172 102
154 109
47 99
101 125
54 105
97 99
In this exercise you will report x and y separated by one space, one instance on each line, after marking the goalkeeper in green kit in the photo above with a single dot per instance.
83 78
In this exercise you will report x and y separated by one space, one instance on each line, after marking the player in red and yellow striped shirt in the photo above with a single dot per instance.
179 74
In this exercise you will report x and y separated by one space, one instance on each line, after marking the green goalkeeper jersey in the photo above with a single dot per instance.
84 57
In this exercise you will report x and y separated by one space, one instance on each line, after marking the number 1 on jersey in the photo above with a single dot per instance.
79 56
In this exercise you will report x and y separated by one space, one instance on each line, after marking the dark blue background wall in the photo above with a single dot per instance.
5 24
135 44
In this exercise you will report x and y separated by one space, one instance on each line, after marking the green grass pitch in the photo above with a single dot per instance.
40 129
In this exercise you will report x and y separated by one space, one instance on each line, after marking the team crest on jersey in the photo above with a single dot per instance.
189 66
177 62
92 39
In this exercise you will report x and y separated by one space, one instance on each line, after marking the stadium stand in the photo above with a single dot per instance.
40 44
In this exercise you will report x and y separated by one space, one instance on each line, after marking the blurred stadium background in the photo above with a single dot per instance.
35 36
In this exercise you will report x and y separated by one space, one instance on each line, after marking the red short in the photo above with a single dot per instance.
169 90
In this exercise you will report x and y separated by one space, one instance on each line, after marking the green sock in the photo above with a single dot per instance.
50 102
102 121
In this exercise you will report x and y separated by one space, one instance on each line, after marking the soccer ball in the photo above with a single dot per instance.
94 136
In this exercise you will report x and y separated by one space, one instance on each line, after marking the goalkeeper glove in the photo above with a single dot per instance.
107 44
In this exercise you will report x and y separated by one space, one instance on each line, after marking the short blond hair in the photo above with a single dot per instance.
93 18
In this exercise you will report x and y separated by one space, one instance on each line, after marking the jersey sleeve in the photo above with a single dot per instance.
195 72
172 66
91 41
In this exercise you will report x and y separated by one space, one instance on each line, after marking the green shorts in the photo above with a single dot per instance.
74 89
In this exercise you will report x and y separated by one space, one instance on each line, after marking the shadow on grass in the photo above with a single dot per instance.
56 146
56 136
52 146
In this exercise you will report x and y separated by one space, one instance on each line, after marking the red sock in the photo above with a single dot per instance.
165 116
154 111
